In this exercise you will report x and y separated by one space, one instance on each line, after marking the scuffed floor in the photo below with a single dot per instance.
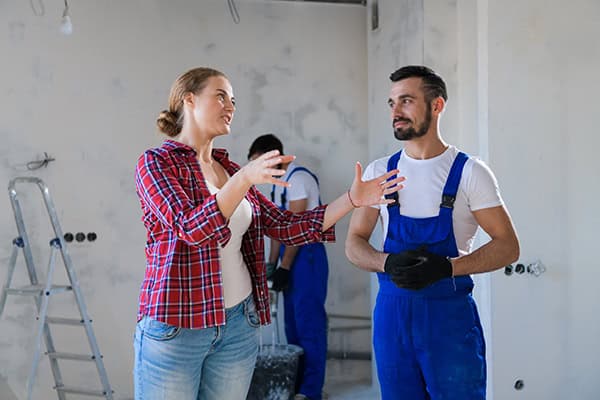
349 380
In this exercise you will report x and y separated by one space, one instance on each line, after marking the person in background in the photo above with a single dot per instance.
427 337
301 272
204 292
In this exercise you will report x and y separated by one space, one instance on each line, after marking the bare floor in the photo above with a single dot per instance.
349 380
345 380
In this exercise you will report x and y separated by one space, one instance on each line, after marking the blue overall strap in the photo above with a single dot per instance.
284 192
393 164
451 187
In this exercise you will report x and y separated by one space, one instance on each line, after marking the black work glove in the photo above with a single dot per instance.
281 279
416 269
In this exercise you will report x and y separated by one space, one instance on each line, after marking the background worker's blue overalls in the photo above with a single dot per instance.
428 343
304 308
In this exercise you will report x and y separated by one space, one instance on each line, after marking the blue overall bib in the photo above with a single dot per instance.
304 309
428 343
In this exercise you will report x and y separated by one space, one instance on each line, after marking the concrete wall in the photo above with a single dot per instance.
90 100
522 87
542 92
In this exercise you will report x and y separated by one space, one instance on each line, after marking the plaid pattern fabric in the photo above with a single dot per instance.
182 285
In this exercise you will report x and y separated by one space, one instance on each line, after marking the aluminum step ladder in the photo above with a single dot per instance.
42 291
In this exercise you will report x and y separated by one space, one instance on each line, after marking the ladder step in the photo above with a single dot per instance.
74 390
65 321
37 290
71 356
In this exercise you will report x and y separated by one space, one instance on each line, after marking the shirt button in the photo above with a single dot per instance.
180 234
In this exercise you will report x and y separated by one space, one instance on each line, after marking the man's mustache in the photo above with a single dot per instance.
399 119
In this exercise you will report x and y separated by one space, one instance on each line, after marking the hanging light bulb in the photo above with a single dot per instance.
66 27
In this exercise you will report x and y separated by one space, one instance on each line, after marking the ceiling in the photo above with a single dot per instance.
362 2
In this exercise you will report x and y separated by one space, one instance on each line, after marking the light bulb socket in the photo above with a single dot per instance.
66 27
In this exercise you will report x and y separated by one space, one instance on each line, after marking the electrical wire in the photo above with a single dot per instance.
33 165
42 8
233 10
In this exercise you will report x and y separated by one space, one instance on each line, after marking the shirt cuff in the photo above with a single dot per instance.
329 234
217 221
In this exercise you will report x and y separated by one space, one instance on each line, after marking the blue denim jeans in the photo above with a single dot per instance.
174 363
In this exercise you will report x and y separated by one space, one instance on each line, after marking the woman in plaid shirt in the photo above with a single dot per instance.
204 293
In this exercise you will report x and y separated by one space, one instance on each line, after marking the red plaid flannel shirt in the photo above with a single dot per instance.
182 285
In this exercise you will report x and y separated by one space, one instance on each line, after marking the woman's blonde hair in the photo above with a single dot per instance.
194 81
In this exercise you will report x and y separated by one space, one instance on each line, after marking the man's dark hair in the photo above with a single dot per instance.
265 143
433 84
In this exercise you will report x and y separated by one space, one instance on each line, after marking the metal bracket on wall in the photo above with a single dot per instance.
536 268
374 15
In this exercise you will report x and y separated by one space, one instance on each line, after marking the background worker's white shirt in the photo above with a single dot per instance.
304 186
422 192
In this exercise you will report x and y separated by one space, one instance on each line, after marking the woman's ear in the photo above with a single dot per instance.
189 99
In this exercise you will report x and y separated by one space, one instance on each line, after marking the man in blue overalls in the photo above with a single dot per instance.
301 274
427 337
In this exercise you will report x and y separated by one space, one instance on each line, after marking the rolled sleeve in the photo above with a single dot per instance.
317 217
194 232
295 229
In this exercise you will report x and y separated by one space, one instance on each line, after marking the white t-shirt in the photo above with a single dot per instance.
237 284
422 192
304 186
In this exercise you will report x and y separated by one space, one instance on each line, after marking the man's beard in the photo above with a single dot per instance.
410 132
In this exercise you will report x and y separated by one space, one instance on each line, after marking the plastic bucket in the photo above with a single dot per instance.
275 372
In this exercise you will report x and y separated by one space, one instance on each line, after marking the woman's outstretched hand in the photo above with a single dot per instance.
373 191
266 169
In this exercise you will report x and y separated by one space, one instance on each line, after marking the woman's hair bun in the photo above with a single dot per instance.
167 123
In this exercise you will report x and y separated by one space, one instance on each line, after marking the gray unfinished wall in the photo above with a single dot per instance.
522 90
90 100
521 80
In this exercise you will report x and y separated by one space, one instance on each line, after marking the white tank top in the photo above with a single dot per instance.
237 284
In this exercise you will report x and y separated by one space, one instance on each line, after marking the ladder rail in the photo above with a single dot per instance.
42 326
11 269
66 257
16 206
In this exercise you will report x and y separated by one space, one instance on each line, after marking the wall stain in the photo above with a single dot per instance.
346 119
117 88
299 117
16 32
259 81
